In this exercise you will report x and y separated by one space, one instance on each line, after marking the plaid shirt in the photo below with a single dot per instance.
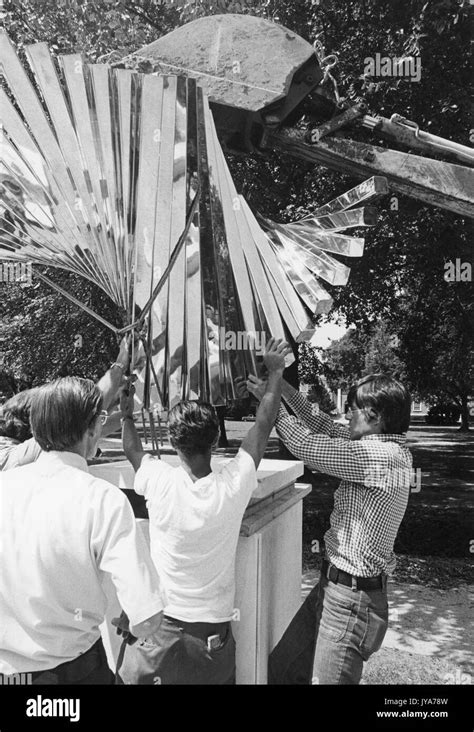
371 500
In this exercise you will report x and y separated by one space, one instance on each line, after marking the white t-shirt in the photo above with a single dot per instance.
194 529
61 531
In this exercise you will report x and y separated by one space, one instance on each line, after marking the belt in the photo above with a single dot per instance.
357 583
71 672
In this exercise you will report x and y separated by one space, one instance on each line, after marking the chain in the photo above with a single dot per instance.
327 63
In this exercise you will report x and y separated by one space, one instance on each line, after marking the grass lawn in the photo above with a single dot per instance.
392 666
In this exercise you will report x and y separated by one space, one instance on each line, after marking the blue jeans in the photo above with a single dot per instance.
333 633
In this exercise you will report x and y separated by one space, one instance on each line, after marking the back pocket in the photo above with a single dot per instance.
376 627
337 614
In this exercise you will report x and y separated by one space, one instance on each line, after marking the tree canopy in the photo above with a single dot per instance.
399 280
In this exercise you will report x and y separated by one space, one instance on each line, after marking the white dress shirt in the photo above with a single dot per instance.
194 530
62 529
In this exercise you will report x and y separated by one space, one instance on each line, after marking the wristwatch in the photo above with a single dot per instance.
120 365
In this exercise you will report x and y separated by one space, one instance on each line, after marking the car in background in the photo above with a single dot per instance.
235 412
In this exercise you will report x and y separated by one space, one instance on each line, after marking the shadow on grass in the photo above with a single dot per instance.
432 622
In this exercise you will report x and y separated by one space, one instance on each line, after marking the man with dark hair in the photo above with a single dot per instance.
195 516
193 427
344 619
62 531
387 398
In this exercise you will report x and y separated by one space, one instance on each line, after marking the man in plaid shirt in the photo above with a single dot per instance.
344 619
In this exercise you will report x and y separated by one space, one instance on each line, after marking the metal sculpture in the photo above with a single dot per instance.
119 177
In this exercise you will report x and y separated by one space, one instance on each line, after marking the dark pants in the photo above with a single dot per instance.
178 654
90 667
333 633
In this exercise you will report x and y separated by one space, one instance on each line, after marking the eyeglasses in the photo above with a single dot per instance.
101 416
350 412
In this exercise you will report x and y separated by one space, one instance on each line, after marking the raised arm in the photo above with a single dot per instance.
359 460
310 414
112 380
256 440
132 445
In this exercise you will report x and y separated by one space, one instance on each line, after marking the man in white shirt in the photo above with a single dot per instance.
195 516
63 531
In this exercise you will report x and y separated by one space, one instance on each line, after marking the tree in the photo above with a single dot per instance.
310 363
320 394
360 352
400 277
39 331
99 29
344 360
406 252
311 371
436 344
382 354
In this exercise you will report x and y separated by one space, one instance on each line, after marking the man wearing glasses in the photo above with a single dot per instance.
344 619
63 531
